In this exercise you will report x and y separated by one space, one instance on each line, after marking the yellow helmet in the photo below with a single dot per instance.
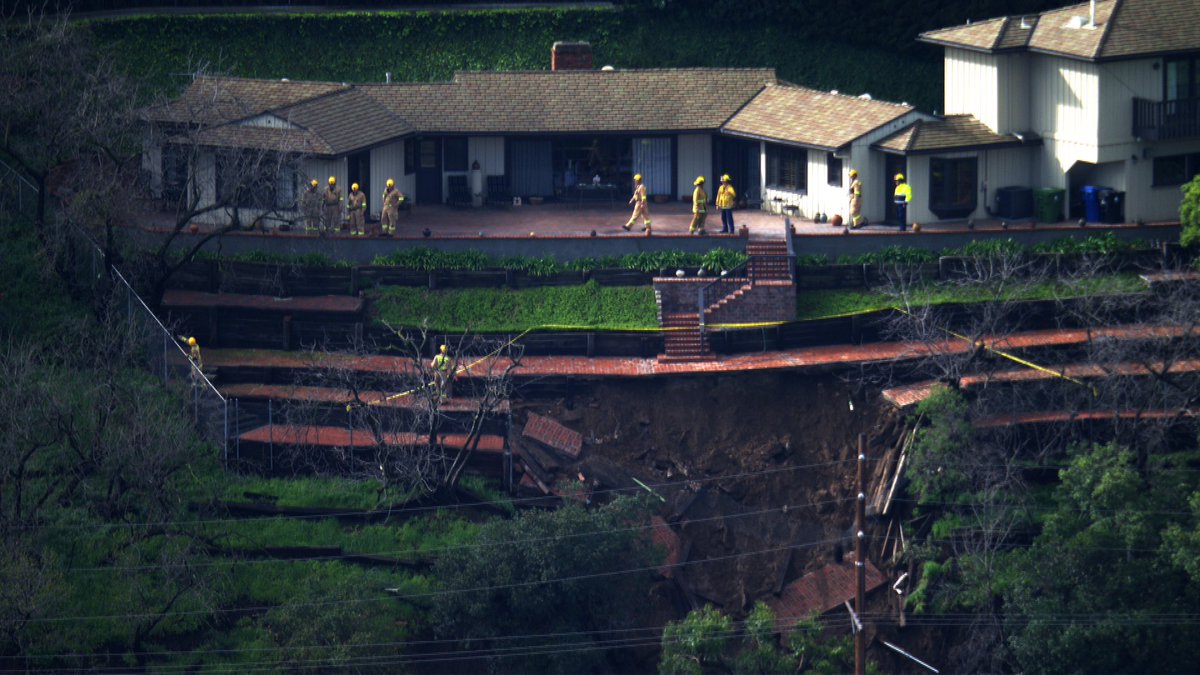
853 173
391 183
354 187
637 176
191 342
899 176
444 349
725 178
314 182
699 180
332 180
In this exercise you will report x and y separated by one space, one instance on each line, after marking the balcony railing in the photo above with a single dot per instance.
1166 120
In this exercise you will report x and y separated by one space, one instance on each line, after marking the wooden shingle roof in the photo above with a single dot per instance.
216 100
811 118
954 132
263 138
1123 29
675 99
347 120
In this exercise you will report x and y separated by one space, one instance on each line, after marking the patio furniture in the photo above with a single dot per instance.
593 192
457 193
498 192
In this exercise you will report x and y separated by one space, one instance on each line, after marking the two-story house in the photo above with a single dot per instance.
1107 93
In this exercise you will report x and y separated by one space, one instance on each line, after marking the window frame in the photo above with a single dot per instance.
834 170
450 144
777 155
1191 168
943 199
1192 62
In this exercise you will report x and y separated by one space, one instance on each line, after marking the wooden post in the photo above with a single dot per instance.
860 566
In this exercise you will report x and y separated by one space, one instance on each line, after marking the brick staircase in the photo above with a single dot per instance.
761 291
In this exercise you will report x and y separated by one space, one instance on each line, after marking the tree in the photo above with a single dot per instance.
570 579
1189 213
699 640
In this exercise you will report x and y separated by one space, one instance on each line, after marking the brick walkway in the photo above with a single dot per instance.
1066 416
628 367
341 437
341 396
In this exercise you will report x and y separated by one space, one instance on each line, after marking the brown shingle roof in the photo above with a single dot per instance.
811 118
264 138
821 591
1124 29
954 132
215 100
347 120
677 99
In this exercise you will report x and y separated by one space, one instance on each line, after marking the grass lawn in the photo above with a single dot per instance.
497 310
821 304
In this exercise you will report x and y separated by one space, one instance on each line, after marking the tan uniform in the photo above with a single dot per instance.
855 203
310 206
640 207
391 210
699 210
331 209
356 205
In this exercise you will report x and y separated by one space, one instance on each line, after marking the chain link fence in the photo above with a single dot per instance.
163 353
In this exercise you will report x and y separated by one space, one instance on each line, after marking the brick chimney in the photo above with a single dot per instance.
571 56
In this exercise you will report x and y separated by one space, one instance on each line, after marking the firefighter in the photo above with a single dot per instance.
310 205
356 204
699 207
901 197
194 356
443 372
726 198
856 219
331 206
392 199
640 207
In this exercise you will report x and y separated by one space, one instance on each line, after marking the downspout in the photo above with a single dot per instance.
987 206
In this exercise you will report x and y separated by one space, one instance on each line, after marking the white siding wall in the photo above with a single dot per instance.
996 169
694 158
1012 98
1142 199
1120 83
972 85
322 169
387 161
1065 99
489 152
152 161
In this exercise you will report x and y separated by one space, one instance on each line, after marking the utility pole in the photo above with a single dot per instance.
860 567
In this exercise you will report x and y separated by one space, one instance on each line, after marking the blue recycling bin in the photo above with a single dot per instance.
1091 203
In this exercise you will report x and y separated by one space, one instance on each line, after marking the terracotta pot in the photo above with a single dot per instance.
194 228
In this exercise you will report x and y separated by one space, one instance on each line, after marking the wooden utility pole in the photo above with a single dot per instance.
860 567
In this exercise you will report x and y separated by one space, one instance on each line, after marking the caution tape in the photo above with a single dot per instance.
1011 357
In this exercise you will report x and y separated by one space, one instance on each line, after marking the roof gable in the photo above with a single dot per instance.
811 118
953 132
216 99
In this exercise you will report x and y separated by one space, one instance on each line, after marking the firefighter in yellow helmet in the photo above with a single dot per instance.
310 207
356 205
331 207
726 199
856 219
443 372
699 207
640 207
194 356
901 197
392 199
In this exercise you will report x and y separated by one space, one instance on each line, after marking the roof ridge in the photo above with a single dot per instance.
839 94
280 80
1112 19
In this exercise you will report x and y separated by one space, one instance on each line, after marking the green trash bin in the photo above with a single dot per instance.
1048 202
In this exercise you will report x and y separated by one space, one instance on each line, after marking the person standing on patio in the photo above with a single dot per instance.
902 197
856 219
726 198
356 204
310 206
699 207
391 208
331 206
640 207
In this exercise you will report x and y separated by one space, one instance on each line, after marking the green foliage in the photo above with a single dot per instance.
1102 244
533 575
940 446
699 640
816 260
761 653
722 259
488 310
1189 213
989 248
897 255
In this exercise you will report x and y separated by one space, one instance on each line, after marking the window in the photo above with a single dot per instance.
410 156
787 168
1181 78
834 166
428 152
952 186
1176 169
255 180
174 172
455 151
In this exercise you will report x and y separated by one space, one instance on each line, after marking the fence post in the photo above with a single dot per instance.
225 409
271 436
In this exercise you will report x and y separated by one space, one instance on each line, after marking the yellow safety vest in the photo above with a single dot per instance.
903 190
726 197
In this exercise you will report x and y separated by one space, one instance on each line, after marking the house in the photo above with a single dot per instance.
1105 93
541 133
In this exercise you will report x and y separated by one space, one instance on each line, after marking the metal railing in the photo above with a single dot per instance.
1166 120
155 347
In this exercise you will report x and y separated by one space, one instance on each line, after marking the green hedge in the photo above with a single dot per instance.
424 46
488 310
